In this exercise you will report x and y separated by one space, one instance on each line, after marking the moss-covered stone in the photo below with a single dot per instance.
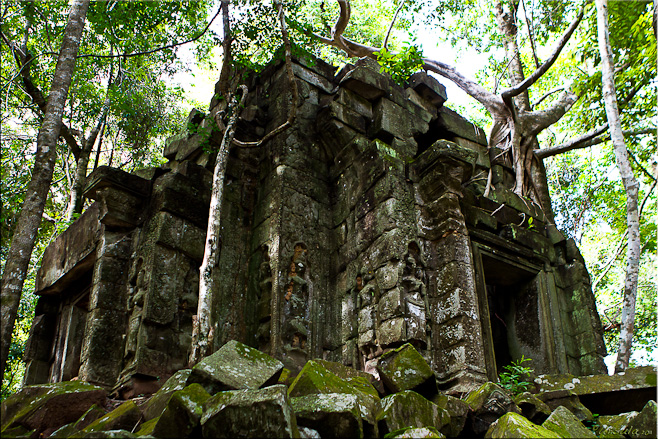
405 369
569 400
331 415
532 407
157 403
250 413
457 410
415 432
566 425
644 424
50 406
613 426
87 418
20 432
124 417
513 425
183 412
110 434
146 429
236 366
631 378
488 403
408 408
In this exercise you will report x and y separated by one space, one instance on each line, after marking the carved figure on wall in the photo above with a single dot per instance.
138 287
297 302
415 298
264 303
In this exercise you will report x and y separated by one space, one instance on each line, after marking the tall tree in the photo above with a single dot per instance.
515 123
24 236
630 185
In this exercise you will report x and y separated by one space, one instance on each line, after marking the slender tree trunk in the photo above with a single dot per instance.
76 202
203 330
630 185
25 234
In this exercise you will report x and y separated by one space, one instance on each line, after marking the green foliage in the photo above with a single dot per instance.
401 65
515 376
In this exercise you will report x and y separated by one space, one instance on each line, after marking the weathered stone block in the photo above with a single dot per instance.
565 424
489 403
392 331
49 406
365 82
124 417
457 411
344 114
183 413
331 415
513 425
157 403
428 88
409 409
390 120
250 413
236 366
451 122
405 369
532 407
391 305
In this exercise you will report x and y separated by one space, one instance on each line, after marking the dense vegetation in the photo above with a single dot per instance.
130 51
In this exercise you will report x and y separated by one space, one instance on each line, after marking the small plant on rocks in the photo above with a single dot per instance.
516 377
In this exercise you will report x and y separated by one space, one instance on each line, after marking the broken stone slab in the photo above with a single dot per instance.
250 413
488 403
451 122
566 425
607 394
569 400
428 88
532 407
405 369
457 410
236 366
644 424
315 379
408 408
513 425
157 403
49 406
183 413
414 432
90 416
331 414
124 417
613 426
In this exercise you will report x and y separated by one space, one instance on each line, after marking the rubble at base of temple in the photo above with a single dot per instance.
330 400
361 228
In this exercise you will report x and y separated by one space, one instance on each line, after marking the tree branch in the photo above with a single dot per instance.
390 27
534 76
591 138
542 119
148 52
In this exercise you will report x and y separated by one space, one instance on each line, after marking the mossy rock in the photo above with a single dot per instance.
157 403
569 400
87 418
410 409
565 424
488 403
514 425
110 434
613 426
532 407
249 413
457 411
405 369
415 432
331 414
124 417
146 429
49 406
183 413
644 424
236 366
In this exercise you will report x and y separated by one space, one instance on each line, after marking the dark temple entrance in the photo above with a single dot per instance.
512 294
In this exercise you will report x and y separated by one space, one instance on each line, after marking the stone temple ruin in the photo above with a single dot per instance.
362 227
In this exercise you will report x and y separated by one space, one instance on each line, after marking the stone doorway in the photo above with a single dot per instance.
512 296
70 330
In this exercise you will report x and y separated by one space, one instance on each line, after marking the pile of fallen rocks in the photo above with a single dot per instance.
241 392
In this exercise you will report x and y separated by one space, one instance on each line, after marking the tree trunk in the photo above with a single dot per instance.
630 185
22 244
203 329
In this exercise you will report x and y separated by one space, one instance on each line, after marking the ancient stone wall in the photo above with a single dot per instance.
362 227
